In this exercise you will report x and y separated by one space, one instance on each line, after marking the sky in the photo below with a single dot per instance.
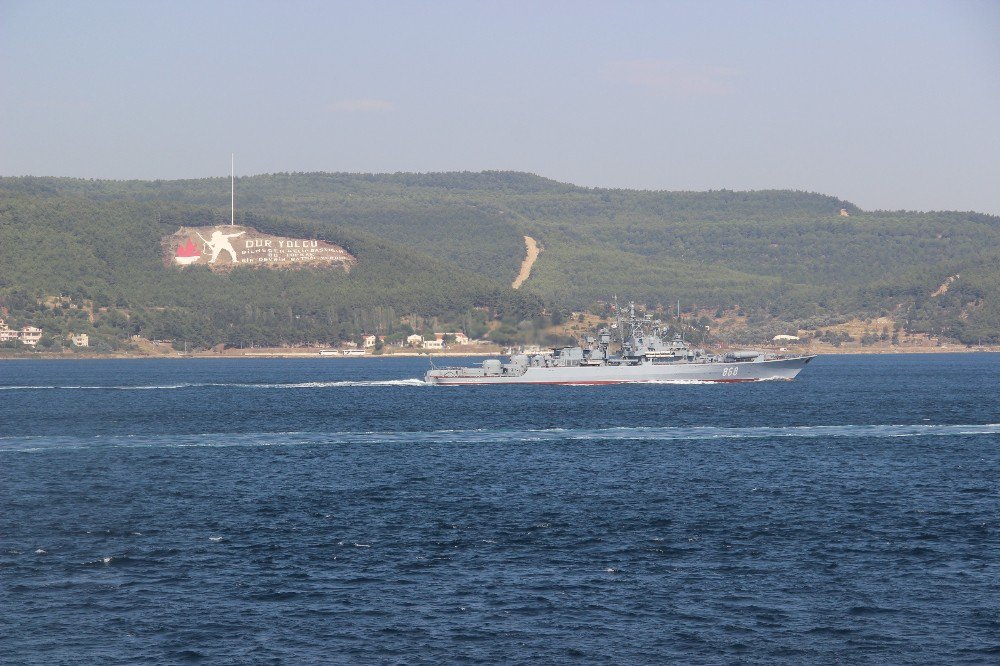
890 105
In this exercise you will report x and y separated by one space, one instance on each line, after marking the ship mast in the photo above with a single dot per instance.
232 191
680 322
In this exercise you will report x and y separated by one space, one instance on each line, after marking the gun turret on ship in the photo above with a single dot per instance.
646 355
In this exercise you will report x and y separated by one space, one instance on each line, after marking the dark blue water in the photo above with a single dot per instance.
330 510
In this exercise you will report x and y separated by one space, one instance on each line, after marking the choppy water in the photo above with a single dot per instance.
338 510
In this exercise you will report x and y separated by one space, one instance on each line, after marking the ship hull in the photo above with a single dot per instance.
750 371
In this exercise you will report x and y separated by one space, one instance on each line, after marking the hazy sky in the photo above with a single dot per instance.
887 104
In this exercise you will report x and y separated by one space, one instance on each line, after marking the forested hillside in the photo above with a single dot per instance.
440 245
68 257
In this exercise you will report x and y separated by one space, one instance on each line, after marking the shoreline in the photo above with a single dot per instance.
314 354
48 356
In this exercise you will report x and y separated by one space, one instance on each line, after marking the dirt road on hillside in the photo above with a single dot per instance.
533 250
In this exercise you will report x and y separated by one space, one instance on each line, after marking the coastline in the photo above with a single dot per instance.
84 356
312 353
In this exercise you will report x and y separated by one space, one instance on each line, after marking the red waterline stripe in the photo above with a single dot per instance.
596 383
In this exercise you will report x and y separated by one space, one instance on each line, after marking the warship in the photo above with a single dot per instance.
646 355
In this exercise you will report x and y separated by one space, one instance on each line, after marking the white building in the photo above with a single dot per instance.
29 335
460 338
433 344
7 333
80 340
369 341
415 340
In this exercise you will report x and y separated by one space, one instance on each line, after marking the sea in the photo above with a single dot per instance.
302 511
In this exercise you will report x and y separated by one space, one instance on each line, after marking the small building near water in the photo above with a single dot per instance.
29 335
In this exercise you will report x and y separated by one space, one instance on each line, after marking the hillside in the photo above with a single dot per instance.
73 262
778 256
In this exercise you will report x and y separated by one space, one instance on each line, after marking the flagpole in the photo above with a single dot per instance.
232 176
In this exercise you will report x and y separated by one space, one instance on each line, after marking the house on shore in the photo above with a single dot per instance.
459 337
29 335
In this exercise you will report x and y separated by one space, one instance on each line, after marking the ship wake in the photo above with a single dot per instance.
501 437
244 385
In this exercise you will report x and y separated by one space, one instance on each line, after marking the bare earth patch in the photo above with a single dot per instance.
943 289
533 250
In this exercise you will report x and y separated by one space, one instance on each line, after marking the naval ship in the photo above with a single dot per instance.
646 355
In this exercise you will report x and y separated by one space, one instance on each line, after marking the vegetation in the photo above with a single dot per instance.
80 264
445 247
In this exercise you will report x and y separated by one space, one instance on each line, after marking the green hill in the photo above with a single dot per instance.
101 254
438 245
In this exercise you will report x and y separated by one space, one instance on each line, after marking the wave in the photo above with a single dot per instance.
385 382
188 385
497 436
